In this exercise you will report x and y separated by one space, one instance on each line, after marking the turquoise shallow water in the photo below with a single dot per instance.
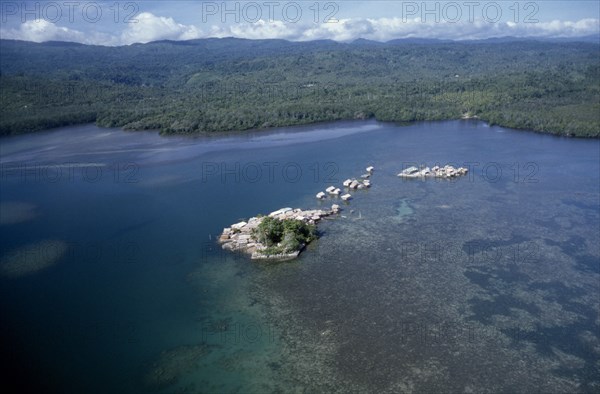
482 284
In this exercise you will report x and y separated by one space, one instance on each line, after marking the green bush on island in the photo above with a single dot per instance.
284 236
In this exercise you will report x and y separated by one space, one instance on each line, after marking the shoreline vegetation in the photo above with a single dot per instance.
218 85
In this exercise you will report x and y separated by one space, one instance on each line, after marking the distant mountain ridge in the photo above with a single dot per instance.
363 41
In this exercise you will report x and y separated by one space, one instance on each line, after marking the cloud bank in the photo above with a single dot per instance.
150 27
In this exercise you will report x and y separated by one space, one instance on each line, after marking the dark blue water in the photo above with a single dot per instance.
112 280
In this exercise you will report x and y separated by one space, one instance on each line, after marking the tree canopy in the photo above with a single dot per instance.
213 85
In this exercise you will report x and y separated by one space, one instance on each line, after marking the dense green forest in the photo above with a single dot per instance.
213 85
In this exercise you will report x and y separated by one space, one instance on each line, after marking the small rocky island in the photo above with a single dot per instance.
279 236
447 171
284 233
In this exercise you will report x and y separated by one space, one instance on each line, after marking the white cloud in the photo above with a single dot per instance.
557 28
150 27
261 30
41 30
385 29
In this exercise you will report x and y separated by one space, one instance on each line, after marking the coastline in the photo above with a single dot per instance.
274 129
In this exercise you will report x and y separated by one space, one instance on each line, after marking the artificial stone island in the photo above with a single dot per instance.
279 236
284 233
446 171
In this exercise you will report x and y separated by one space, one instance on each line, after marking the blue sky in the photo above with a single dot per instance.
127 22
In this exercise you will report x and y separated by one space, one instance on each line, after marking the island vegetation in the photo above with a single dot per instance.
279 236
284 236
213 85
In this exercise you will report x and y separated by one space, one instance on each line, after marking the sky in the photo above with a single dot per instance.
116 23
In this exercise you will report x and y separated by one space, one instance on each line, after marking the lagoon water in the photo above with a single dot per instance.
111 279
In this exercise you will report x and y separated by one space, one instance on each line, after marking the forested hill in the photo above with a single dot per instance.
213 85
